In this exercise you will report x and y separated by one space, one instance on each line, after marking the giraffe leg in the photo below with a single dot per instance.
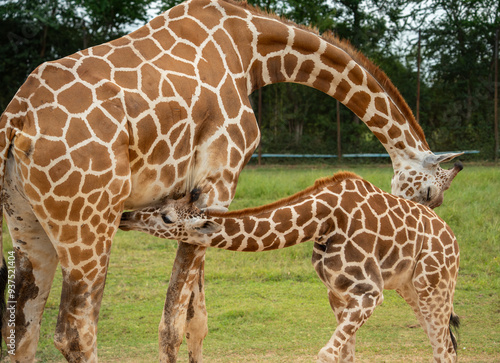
436 309
81 296
35 268
348 350
197 319
35 261
84 257
435 324
337 304
359 306
409 294
433 281
438 331
185 272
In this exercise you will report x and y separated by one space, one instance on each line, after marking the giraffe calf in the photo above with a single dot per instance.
366 240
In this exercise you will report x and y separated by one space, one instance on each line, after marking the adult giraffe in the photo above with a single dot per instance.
151 115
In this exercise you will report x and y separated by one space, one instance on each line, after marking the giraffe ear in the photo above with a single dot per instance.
205 226
433 160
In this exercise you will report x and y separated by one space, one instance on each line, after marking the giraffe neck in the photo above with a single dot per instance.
268 231
305 216
282 52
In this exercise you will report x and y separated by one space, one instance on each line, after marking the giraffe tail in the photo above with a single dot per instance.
454 325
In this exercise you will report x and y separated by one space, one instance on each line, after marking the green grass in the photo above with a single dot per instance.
271 307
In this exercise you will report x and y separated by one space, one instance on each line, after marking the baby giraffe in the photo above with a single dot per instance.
365 241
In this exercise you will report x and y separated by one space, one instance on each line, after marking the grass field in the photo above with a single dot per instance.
271 307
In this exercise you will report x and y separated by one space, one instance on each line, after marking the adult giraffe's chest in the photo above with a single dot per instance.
194 134
174 149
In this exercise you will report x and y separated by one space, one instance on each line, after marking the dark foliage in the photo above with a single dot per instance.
457 83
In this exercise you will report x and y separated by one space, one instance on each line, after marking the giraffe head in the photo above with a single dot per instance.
425 182
176 219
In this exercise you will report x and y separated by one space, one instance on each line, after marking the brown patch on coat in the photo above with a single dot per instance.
26 289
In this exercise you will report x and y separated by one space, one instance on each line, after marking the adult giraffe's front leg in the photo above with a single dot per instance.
186 272
84 268
221 160
76 330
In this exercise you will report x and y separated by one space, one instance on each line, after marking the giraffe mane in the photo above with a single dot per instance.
318 184
378 74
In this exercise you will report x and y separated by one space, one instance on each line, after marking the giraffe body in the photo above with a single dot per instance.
366 241
151 115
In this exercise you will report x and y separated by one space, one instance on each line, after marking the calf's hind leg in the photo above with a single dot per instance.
409 294
434 282
436 308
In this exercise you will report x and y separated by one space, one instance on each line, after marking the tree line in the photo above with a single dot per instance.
456 52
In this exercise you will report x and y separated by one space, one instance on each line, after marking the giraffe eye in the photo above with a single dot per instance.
165 219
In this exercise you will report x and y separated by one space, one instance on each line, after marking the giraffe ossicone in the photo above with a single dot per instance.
151 115
366 240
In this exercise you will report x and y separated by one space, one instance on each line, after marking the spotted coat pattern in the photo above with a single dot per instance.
151 115
366 241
